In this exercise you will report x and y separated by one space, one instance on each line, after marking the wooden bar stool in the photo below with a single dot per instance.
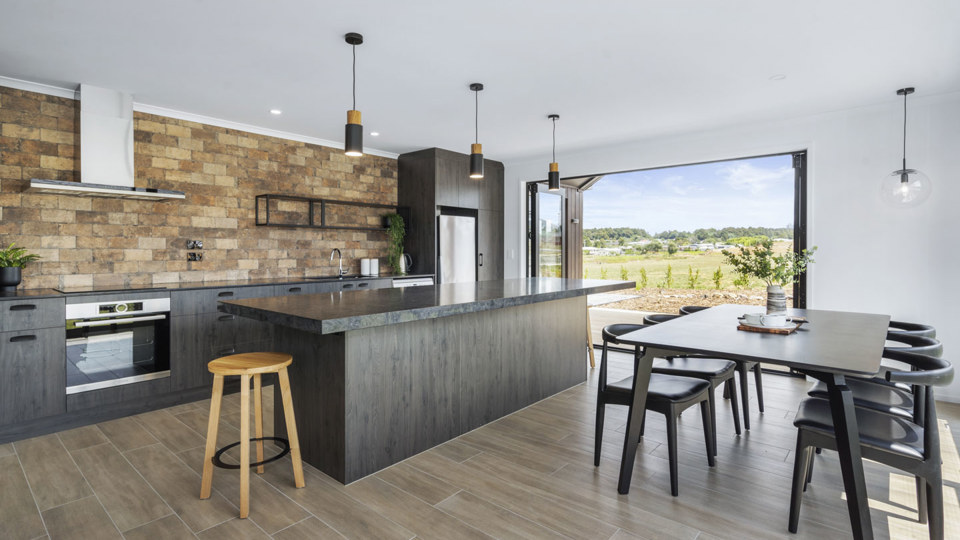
247 365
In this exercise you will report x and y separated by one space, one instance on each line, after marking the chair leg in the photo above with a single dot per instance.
935 506
258 418
672 449
712 410
732 382
244 446
758 379
810 462
921 499
800 463
709 433
211 447
643 422
598 435
291 428
744 394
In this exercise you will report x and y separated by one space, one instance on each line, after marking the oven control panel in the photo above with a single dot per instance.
108 309
112 309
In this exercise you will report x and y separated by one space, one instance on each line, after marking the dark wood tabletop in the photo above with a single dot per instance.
839 342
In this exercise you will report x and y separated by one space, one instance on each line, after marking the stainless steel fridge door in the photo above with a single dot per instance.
458 249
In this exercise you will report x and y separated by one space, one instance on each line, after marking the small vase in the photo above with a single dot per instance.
776 300
9 278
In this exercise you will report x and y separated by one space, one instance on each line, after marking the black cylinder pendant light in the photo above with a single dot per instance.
476 149
553 177
353 137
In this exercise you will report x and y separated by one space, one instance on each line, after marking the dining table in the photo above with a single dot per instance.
830 346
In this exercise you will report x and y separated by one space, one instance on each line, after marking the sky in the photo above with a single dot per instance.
755 192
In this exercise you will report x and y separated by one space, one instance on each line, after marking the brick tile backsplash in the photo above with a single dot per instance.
116 242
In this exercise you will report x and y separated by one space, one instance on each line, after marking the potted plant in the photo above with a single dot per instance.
397 231
776 270
12 261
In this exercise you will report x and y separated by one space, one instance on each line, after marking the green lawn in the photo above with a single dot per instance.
656 264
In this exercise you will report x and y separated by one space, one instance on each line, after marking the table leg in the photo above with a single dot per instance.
642 366
851 462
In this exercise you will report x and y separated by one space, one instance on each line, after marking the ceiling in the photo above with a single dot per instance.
612 70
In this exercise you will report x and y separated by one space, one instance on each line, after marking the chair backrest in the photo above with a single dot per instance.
686 310
612 332
914 344
927 372
657 318
915 329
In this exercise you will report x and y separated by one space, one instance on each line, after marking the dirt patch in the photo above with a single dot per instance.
671 300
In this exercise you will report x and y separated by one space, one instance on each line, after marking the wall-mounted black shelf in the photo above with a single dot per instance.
311 208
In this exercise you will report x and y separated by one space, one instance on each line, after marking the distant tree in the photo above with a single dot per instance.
693 278
623 273
717 276
642 284
668 279
603 272
672 248
742 281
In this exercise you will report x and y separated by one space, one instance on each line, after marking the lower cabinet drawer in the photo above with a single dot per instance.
33 374
26 314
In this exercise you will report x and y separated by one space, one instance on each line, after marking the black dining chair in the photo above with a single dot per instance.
666 394
744 367
911 446
878 393
913 329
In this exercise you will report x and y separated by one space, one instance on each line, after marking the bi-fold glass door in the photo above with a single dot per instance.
545 232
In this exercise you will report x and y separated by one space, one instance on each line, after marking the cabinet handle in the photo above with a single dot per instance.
361 285
481 259
223 294
224 352
23 307
226 317
294 289
30 337
348 285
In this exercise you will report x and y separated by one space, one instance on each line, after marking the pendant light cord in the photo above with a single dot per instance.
354 77
554 139
904 131
476 116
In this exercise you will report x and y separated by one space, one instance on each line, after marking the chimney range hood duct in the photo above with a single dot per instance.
106 151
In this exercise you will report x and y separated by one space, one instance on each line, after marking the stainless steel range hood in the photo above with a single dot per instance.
106 151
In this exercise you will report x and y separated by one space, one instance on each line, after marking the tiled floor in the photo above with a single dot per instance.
529 475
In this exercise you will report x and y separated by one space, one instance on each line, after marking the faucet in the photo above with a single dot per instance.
340 270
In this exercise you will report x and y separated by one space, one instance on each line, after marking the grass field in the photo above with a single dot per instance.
680 263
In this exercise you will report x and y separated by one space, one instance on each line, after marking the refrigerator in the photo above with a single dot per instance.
457 260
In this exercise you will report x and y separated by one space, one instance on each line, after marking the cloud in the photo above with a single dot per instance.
746 176
679 185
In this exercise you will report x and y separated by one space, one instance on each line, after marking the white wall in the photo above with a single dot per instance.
871 257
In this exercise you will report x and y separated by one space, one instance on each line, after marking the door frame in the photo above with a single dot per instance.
532 222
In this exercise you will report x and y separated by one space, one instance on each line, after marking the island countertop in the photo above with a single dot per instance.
328 313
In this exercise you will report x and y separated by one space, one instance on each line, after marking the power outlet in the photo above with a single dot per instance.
195 257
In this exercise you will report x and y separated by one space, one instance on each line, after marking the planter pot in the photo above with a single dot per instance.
776 300
9 278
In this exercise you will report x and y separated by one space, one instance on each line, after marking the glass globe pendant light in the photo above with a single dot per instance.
905 187
553 175
353 137
476 149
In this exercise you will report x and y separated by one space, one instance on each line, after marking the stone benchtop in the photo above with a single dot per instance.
328 313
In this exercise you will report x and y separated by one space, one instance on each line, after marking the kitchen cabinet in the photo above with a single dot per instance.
33 373
196 301
30 314
431 178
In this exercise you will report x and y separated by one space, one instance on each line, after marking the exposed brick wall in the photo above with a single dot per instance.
98 241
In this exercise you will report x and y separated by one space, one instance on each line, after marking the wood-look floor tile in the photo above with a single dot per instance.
77 439
269 508
226 434
52 474
84 518
326 499
456 451
494 520
410 512
180 487
127 497
126 434
418 483
19 517
166 528
6 450
309 529
626 535
235 529
169 431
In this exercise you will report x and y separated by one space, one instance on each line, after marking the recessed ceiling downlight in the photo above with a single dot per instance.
778 77
276 112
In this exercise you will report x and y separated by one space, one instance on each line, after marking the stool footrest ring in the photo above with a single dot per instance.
219 462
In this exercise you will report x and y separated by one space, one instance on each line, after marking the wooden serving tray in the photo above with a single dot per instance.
766 330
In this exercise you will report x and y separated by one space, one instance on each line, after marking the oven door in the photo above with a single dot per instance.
106 352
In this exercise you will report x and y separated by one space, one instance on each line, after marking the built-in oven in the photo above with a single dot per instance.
117 342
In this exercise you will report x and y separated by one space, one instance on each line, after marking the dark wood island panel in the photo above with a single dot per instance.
369 398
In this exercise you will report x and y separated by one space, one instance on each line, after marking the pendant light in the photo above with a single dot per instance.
553 177
476 149
353 139
905 187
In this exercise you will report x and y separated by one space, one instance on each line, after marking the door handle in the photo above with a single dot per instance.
226 317
23 307
481 259
30 337
223 294
294 289
108 322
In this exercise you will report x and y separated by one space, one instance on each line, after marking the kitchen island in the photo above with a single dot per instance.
381 375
